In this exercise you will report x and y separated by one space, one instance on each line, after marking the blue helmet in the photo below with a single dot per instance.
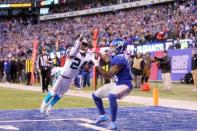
119 45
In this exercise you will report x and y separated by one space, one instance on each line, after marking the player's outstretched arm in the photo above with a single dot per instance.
72 52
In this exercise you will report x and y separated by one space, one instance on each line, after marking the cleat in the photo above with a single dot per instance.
48 110
101 118
43 107
112 126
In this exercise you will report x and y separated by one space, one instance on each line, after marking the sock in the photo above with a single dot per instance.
55 99
48 97
99 103
113 106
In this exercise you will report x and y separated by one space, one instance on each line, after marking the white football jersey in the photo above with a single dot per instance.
74 65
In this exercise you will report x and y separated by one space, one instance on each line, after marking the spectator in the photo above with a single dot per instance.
194 69
137 70
164 64
147 68
86 75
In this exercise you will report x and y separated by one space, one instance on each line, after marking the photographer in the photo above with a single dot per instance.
194 69
164 64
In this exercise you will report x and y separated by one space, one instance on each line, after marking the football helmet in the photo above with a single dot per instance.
118 45
85 46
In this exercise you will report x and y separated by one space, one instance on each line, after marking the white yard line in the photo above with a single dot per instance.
82 122
9 127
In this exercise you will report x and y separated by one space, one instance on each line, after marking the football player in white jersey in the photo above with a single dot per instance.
77 58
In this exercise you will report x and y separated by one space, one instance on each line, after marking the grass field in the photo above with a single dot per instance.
179 92
19 99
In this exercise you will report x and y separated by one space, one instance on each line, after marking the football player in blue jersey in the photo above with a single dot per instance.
120 68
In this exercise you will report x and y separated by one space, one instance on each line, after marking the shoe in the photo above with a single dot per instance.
112 126
101 118
43 107
48 110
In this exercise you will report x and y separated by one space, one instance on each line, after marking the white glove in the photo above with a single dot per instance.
84 34
96 61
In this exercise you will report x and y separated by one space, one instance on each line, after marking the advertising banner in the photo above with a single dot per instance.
20 5
34 55
180 63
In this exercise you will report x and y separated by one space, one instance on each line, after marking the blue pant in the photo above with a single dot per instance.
77 81
86 79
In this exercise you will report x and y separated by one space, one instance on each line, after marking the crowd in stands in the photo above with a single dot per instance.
139 25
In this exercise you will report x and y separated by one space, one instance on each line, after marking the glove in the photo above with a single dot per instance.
84 34
96 61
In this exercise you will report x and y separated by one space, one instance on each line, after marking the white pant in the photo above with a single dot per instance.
61 86
166 80
119 90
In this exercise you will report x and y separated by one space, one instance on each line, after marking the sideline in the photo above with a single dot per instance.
180 104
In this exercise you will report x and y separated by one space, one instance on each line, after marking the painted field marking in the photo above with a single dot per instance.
68 119
86 122
88 125
9 127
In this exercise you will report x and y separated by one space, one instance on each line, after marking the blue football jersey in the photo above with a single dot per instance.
124 75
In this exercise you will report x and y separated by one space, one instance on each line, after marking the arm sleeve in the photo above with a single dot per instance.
74 50
165 61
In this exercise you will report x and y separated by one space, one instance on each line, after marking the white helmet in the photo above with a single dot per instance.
84 41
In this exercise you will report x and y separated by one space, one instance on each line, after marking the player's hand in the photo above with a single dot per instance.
96 61
83 34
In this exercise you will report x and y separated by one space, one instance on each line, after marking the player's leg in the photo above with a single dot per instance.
64 86
97 97
119 91
51 94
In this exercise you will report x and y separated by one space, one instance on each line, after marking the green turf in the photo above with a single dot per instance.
19 99
178 92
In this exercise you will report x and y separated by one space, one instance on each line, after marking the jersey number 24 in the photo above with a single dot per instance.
76 63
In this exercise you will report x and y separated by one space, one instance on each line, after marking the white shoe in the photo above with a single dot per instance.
48 110
43 107
112 126
101 118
